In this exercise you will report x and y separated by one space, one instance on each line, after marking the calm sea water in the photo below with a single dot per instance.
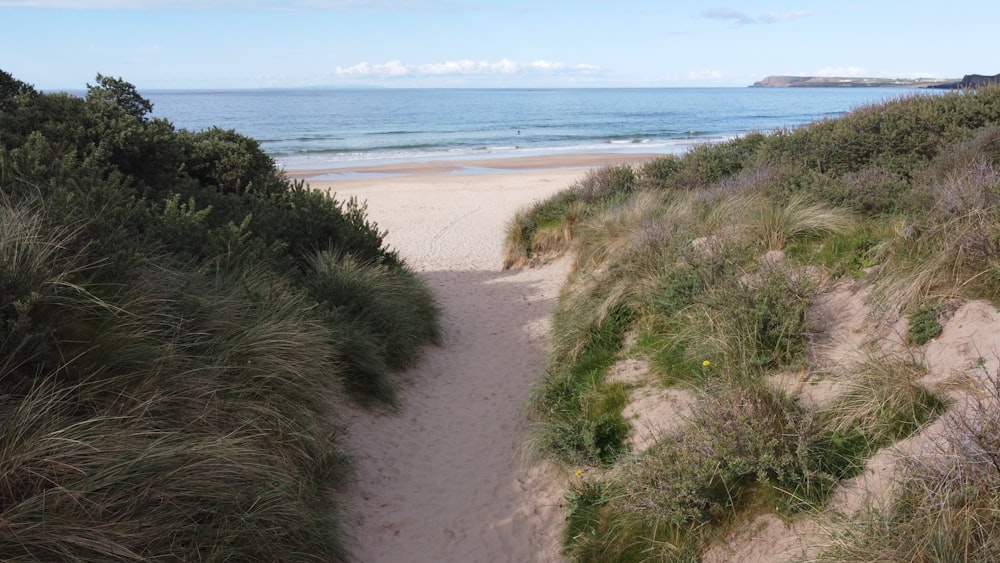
314 128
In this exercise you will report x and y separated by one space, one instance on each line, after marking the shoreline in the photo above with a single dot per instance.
460 167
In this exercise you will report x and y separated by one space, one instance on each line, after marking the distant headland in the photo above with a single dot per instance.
968 81
849 82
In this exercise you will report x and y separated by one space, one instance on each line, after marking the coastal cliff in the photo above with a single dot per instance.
970 81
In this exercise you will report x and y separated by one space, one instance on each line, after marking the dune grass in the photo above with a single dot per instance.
881 404
707 268
187 414
946 505
384 317
545 230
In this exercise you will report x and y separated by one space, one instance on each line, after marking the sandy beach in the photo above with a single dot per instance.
321 176
445 478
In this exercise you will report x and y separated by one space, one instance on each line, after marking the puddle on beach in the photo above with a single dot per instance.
486 170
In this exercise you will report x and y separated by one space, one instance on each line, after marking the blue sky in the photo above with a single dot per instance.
153 44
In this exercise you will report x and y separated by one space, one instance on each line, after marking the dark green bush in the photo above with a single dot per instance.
660 173
603 185
706 164
874 191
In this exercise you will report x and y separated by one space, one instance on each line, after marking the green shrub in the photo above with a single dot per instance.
874 191
228 163
660 173
608 184
760 322
595 532
707 164
922 324
737 438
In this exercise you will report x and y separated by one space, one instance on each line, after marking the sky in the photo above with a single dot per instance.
209 44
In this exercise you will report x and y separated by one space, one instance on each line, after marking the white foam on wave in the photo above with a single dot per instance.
336 160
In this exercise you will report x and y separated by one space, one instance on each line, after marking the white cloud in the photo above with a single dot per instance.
391 68
546 65
464 67
739 18
842 71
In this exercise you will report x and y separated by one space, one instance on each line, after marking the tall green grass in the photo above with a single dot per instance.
546 229
384 315
188 415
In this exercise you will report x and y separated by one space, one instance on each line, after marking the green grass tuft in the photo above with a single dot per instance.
923 325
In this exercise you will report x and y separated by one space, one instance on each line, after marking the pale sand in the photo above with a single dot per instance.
445 479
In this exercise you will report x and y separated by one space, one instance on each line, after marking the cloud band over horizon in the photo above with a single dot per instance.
465 67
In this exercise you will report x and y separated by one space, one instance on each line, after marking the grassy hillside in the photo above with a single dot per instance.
707 270
178 326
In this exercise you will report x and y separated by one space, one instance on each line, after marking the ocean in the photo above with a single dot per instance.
331 128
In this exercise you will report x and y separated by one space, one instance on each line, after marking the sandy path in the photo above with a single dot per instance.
444 479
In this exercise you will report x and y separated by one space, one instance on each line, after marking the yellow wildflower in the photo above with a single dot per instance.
706 363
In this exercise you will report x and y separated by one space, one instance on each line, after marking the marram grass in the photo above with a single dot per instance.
715 256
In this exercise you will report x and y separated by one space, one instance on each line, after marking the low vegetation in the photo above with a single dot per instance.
945 509
178 325
707 265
